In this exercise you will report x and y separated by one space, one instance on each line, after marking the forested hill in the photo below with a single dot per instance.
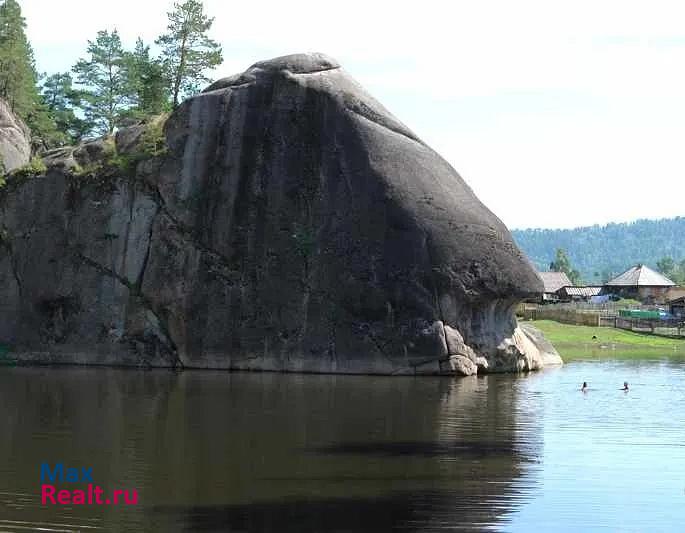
600 251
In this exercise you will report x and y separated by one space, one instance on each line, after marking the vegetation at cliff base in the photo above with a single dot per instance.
35 167
152 143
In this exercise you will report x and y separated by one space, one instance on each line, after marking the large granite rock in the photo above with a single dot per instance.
294 225
15 140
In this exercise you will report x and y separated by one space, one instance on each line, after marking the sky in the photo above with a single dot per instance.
557 114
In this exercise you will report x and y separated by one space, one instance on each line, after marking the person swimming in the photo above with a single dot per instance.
584 387
625 386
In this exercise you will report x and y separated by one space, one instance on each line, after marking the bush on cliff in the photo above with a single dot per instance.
35 167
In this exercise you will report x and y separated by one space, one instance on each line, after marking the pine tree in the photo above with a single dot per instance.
61 99
17 72
187 51
562 263
45 133
106 91
18 77
666 266
147 83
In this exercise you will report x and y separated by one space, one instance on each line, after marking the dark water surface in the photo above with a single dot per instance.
287 453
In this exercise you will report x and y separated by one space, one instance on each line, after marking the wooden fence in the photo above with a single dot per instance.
565 316
668 328
578 317
606 309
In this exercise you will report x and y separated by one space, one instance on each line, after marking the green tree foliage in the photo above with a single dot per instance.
562 263
18 77
187 51
112 83
17 73
105 82
606 250
45 133
672 270
61 99
147 83
665 265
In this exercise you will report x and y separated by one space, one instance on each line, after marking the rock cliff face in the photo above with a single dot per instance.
292 225
15 143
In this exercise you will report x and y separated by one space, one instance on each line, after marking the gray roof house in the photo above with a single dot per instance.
640 276
640 282
553 281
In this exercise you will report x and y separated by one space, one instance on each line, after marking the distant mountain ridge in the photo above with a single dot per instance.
602 251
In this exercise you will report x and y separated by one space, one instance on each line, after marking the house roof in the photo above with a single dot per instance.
554 281
583 291
640 276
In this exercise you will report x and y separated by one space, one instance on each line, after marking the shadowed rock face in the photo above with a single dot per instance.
295 225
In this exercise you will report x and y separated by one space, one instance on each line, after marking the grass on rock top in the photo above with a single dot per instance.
576 342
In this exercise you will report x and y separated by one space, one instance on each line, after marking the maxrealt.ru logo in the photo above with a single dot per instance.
91 495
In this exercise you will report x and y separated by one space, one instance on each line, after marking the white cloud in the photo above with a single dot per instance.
556 113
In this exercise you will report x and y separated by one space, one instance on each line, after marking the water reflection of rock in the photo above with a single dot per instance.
486 412
268 452
368 454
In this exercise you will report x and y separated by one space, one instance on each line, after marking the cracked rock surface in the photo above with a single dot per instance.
15 140
294 225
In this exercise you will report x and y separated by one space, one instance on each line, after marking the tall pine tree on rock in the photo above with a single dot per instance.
18 78
187 51
61 100
106 89
147 83
17 73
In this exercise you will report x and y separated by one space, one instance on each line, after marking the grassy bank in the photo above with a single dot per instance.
576 342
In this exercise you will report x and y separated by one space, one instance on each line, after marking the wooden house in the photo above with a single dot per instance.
674 293
677 307
553 282
641 283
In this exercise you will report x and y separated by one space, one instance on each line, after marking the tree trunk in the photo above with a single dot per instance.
179 72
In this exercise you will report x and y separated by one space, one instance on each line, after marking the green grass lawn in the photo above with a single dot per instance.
576 342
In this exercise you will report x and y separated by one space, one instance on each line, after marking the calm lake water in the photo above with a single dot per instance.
286 453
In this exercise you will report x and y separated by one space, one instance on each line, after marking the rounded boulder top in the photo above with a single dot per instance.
305 63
